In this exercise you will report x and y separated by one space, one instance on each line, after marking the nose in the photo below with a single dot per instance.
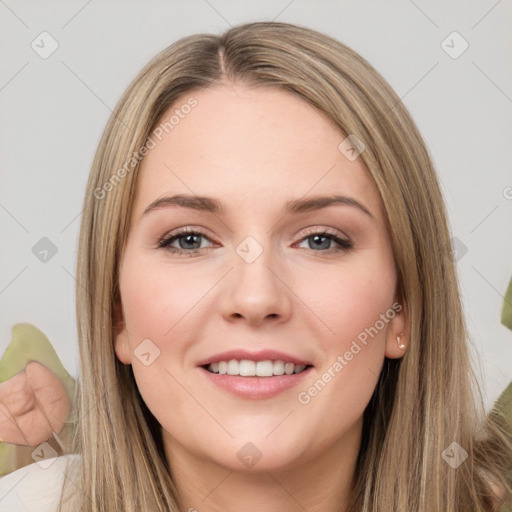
256 292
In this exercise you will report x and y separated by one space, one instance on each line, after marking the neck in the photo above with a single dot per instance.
322 483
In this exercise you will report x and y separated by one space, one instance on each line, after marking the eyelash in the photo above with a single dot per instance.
164 243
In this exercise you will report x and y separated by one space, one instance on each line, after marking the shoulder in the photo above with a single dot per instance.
37 486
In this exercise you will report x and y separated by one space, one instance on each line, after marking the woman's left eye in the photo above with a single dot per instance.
323 238
189 242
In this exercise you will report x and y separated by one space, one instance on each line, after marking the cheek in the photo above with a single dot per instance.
363 300
351 298
157 306
156 299
355 308
161 303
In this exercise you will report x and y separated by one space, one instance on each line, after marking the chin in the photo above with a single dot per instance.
254 453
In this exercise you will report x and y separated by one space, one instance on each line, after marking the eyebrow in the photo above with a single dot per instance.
212 205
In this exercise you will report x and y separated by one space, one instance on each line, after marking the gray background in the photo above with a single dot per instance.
54 111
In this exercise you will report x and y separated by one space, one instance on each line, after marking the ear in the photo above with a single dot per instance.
121 339
398 326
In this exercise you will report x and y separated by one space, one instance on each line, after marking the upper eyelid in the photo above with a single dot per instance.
183 232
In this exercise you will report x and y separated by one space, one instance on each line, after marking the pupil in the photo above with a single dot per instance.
317 238
189 239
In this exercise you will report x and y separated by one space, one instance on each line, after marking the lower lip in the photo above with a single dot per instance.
256 388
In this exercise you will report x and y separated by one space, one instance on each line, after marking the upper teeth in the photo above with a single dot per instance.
247 368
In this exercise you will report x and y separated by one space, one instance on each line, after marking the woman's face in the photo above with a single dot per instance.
256 276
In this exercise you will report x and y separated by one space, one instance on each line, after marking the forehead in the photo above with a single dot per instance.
249 146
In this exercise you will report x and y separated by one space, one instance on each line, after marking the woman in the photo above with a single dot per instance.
310 353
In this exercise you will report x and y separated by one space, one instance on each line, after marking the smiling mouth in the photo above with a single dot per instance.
247 368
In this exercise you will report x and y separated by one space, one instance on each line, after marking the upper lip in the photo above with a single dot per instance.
257 355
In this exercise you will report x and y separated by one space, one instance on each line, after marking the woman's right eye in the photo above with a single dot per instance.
187 241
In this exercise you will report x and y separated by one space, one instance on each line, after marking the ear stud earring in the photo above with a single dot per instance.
400 345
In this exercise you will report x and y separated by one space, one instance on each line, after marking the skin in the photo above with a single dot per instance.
33 405
254 149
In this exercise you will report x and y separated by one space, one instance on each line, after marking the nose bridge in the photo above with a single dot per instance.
255 256
257 291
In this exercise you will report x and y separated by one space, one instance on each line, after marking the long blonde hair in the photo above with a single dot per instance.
422 403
